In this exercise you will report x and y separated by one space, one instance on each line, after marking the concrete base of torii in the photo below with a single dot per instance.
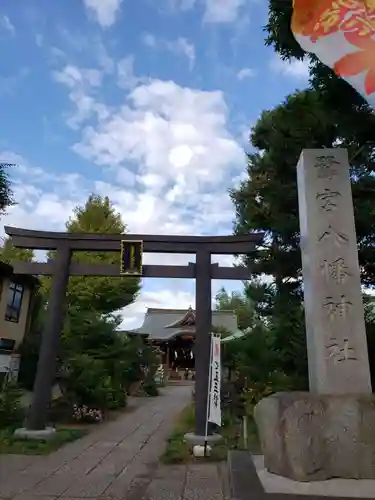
42 435
195 439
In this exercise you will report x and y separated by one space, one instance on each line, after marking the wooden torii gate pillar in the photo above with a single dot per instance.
63 266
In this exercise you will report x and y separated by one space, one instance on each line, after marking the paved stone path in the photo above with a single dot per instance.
118 461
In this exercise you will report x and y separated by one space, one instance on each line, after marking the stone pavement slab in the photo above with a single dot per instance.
105 463
203 482
117 461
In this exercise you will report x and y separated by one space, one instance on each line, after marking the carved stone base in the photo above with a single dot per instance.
309 437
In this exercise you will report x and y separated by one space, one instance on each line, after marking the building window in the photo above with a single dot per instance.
13 309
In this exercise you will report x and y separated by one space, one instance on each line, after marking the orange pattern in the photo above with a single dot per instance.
359 61
317 19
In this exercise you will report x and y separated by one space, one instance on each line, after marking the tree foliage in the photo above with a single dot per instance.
239 303
9 253
6 193
267 201
97 363
329 113
102 294
105 294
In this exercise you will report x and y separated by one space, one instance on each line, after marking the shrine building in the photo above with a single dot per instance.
173 332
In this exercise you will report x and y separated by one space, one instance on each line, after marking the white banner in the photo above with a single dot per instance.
214 412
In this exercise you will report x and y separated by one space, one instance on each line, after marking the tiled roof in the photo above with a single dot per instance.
158 323
187 320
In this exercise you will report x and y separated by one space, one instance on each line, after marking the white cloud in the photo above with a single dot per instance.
215 11
39 40
180 46
104 11
125 73
71 76
45 200
177 138
183 5
298 69
80 83
173 133
104 59
245 73
222 11
7 25
168 154
149 39
81 46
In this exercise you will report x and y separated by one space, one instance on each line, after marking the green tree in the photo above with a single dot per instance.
9 253
101 294
92 350
6 193
256 361
267 201
238 303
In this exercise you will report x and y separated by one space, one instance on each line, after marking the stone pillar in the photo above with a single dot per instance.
335 325
46 371
327 432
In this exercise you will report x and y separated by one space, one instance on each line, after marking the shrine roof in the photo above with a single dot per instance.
165 324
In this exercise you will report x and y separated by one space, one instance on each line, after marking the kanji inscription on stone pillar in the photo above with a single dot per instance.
335 326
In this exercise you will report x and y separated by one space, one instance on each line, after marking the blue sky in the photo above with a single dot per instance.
148 102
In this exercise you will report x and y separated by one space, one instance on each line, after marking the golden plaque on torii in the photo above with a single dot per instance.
131 258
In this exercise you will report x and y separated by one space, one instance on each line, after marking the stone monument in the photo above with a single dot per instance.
329 431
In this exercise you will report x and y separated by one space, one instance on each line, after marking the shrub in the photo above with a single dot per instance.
11 411
275 382
87 383
150 388
116 396
111 363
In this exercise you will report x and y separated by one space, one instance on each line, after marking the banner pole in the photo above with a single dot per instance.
208 398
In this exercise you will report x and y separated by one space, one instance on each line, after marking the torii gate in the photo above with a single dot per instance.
63 266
